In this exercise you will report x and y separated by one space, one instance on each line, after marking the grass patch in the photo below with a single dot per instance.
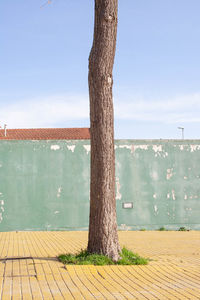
183 229
85 258
162 229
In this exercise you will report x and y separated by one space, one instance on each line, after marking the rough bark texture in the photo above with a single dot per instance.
103 236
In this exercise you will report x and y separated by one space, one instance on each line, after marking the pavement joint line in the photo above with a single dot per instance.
29 268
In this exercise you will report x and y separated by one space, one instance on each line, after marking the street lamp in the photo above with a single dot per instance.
182 129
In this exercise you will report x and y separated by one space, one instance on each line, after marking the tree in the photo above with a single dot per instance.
103 236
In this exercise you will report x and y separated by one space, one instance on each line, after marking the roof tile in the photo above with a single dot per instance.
45 134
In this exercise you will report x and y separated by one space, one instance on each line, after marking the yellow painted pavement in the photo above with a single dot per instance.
29 268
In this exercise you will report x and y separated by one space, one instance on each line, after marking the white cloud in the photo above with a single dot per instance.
57 110
45 112
175 110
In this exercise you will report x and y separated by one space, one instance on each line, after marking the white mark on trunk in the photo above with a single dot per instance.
185 197
56 212
155 208
87 148
118 194
59 192
168 195
71 148
154 196
109 80
185 177
55 147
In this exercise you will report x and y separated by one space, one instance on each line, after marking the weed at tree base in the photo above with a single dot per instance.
86 258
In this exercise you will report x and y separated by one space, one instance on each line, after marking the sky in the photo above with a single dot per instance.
44 51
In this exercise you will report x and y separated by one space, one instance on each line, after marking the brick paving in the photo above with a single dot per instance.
29 268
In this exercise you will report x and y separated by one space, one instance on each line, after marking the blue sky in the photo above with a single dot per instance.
44 64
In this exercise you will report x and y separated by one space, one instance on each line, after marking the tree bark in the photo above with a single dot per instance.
103 238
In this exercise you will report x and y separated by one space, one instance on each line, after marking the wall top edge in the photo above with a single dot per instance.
116 140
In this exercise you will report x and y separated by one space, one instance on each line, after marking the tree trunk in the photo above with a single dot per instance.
103 236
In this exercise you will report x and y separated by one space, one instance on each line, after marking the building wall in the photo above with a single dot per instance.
44 185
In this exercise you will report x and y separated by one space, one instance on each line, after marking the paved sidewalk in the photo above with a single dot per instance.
29 268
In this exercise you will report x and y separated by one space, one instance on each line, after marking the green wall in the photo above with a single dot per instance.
44 185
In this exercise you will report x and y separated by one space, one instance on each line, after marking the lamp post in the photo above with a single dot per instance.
182 130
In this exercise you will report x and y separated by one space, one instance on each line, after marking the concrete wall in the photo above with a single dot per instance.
44 185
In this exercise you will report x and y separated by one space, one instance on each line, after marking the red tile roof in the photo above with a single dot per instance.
46 134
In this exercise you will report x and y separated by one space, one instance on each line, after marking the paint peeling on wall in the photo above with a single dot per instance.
55 147
157 148
169 173
159 152
160 187
154 175
155 209
142 147
87 148
125 146
71 148
188 208
124 227
132 147
1 208
194 148
118 194
173 195
59 192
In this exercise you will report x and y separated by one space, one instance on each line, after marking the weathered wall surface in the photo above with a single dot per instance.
162 179
44 185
